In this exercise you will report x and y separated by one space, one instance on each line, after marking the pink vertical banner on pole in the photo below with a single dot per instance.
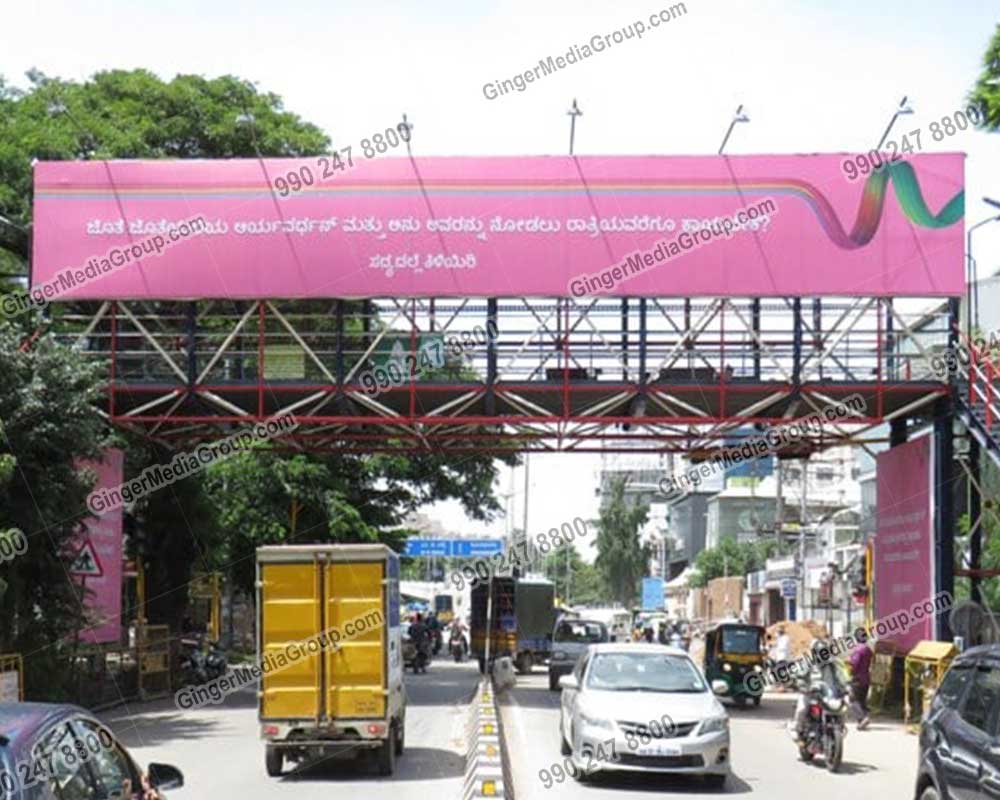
98 562
904 540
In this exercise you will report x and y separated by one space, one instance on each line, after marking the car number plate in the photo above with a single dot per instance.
660 750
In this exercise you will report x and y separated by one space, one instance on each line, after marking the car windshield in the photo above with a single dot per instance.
644 672
584 632
740 640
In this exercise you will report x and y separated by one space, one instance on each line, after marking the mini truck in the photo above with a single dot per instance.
329 645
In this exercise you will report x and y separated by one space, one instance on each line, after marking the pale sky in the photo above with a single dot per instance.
814 76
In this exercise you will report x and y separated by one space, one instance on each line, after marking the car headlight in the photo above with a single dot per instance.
727 667
559 655
714 725
595 722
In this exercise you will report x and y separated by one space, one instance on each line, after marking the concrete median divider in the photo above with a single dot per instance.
487 768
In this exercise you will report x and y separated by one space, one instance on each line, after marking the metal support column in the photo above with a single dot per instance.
944 508
491 355
642 345
975 515
191 328
339 364
890 341
624 358
817 328
755 317
797 343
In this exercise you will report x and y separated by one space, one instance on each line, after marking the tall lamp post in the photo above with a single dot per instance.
972 268
738 117
901 109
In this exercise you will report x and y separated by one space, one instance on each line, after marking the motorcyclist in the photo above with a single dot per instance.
434 629
420 636
457 633
823 677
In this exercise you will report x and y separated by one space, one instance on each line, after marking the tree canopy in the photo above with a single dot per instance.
622 558
215 519
986 93
731 557
48 422
584 586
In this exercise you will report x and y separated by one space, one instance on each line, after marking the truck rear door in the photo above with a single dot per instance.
356 670
290 612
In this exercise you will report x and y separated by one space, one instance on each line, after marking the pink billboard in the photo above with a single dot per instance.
97 561
904 539
776 225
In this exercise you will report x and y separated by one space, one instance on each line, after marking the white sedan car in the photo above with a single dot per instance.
643 708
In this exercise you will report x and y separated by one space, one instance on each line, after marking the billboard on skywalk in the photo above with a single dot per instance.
590 226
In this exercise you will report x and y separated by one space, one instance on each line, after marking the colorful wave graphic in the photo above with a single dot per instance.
911 201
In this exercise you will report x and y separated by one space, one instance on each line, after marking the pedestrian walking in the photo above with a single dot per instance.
860 661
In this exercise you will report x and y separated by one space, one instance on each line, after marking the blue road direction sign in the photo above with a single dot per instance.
452 548
652 594
789 588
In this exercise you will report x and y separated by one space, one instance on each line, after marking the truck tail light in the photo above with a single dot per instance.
376 730
269 731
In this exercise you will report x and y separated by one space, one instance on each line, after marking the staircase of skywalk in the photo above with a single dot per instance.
978 398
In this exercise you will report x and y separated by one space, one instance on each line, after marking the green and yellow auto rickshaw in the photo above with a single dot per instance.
732 651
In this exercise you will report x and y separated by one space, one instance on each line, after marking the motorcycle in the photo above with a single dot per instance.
456 645
423 657
199 665
825 727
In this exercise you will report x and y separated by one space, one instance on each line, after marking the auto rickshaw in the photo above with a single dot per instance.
732 651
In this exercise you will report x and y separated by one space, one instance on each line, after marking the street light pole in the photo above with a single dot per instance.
903 108
574 112
973 292
739 116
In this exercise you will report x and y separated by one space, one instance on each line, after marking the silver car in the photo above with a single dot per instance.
645 708
570 641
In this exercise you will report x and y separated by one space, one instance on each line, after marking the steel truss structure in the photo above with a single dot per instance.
580 375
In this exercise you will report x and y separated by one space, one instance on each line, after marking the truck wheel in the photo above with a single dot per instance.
400 737
387 755
273 761
524 663
482 665
553 682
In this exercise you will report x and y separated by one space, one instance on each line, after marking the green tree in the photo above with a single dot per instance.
731 557
48 422
217 518
990 536
622 559
585 585
267 497
986 93
135 114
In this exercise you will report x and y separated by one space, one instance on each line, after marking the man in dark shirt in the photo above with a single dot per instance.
860 661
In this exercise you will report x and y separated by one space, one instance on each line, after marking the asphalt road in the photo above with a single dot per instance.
219 751
878 763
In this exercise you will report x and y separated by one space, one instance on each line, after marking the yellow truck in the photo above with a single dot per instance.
329 647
